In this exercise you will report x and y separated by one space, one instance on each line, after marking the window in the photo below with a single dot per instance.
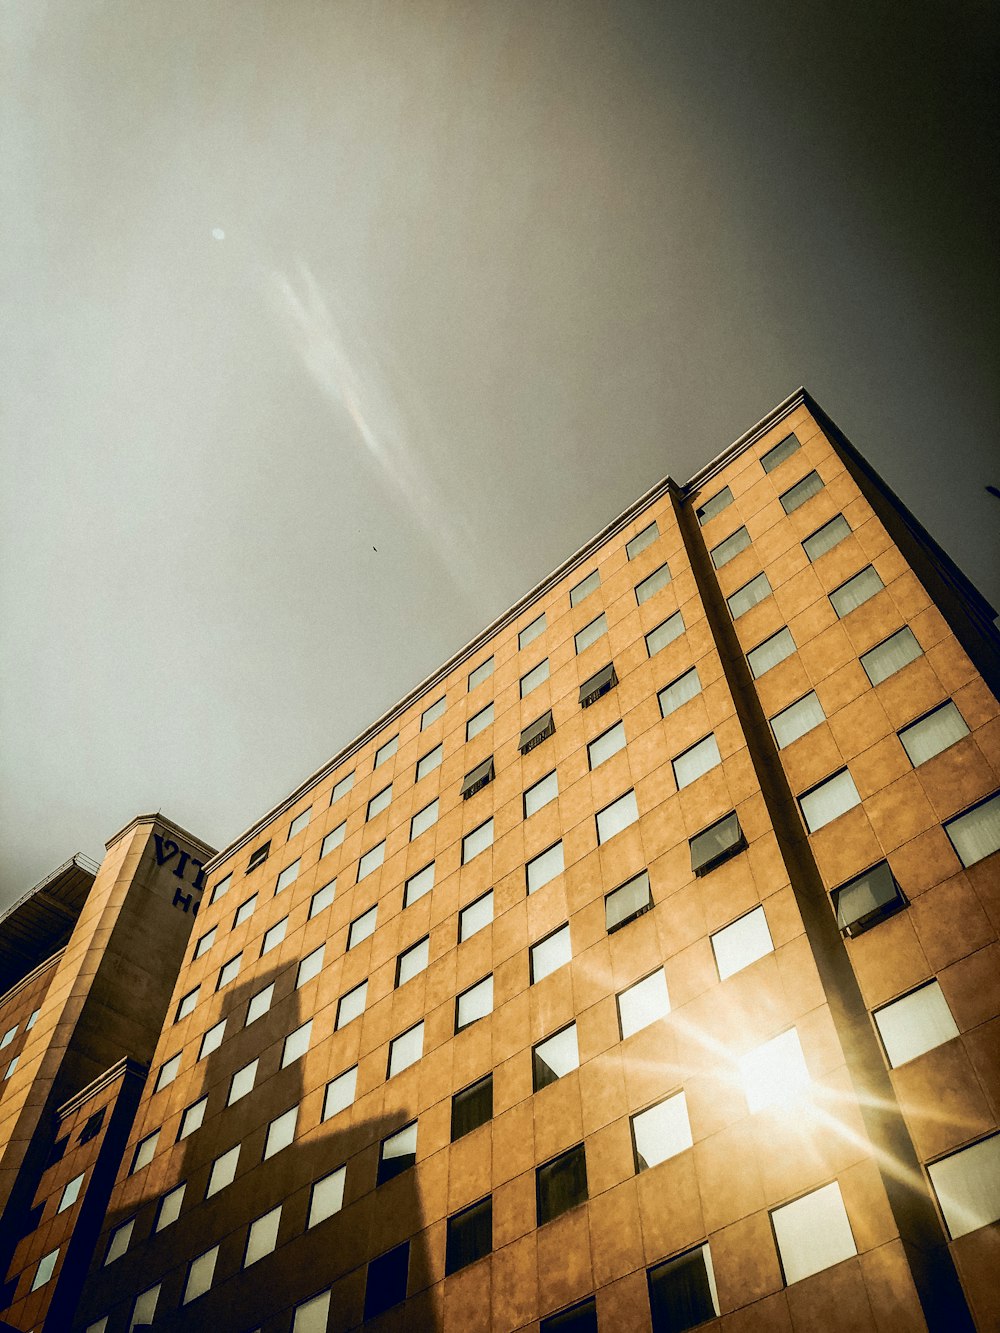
222 888
479 722
473 1004
776 456
310 967
471 1107
185 1005
650 586
333 839
769 653
242 1082
170 1207
144 1310
379 802
584 588
406 1049
260 1004
386 1282
685 687
741 943
934 733
561 1184
536 732
798 718
312 1315
480 777
386 751
46 1267
11 1067
580 1318
531 632
296 1044
245 911
200 1274
749 596
340 1092
810 485
477 841
976 834
714 506
540 794
550 953
827 537
144 1151
774 1073
856 591
341 788
58 1149
205 943
281 1132
223 1171
32 1019
71 1193
643 1003
616 817
258 857
716 844
351 1006
555 1057
475 917
891 656
212 1039
274 936
419 884
298 823
660 1132
120 1240
430 715
322 899
671 629
193 1118
915 1023
967 1185
813 1233
327 1198
591 633
641 540
424 819
682 1291
397 1153
535 677
371 860
470 1235
481 673
168 1072
730 548
699 759
262 1236
287 876
627 902
430 761
829 800
544 867
412 961
865 901
607 744
597 685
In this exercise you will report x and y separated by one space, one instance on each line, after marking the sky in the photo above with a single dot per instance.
330 328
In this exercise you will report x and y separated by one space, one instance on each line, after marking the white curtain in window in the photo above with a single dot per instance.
968 1186
933 734
813 1233
617 817
828 802
976 835
916 1023
856 592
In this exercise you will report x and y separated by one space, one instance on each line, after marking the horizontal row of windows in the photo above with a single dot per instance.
768 461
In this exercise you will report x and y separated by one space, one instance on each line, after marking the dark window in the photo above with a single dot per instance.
92 1128
810 485
599 683
714 506
865 901
259 857
470 1235
32 1218
782 450
627 902
471 1107
386 1284
539 730
59 1147
397 1153
561 1184
716 844
478 778
681 1292
580 1318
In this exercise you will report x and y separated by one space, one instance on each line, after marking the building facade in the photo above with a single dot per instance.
638 970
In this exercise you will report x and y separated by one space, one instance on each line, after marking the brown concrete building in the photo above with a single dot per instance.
637 970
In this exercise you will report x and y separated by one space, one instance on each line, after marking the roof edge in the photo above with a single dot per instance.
77 860
168 824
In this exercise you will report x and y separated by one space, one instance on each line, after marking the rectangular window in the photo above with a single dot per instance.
749 596
223 1171
607 744
144 1151
976 834
212 1039
245 911
260 1004
287 876
584 588
597 685
643 1003
715 506
855 592
741 943
192 1118
661 1132
340 1093
186 1004
531 632
326 1199
967 1185
471 1107
419 884
201 1271
555 1057
412 961
678 692
671 629
274 936
694 762
333 839
281 1132
144 1310
470 1236
397 1153
222 888
544 867
549 954
774 1072
624 904
385 1286
474 1004
480 777
71 1192
119 1242
262 1236
650 586
479 722
322 899
481 673
170 1208
865 901
641 540
535 677
32 1019
776 456
258 857
424 819
312 1315
362 927
386 751
431 715
915 1023
406 1049
310 967
682 1291
341 788
536 732
617 817
298 824
371 861
810 485
943 727
887 658
477 841
579 1318
379 802
205 942
591 633
730 548
797 719
540 794
242 1082
430 761
813 1233
475 917
826 538
229 972
351 1006
769 653
829 800
561 1184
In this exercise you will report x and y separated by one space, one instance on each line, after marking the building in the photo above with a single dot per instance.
639 968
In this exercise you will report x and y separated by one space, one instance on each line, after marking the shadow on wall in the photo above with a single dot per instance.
300 1179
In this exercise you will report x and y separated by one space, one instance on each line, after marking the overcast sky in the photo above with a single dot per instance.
284 282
